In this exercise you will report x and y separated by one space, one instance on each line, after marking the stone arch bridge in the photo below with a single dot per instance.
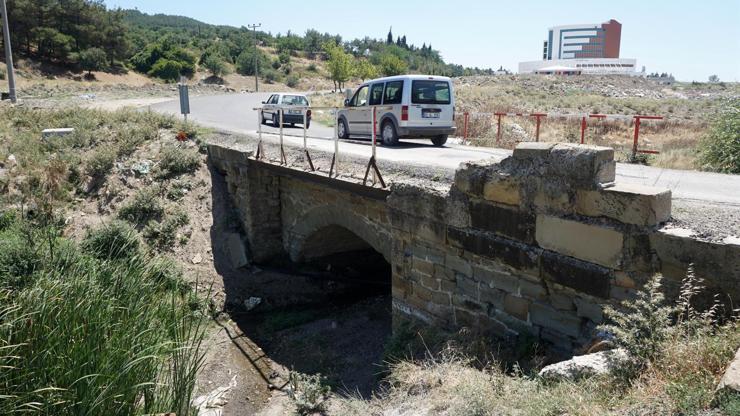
538 243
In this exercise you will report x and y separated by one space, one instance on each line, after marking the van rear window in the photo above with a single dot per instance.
430 92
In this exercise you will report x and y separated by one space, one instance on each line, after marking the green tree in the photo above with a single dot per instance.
93 59
166 69
245 62
339 65
720 149
365 70
216 65
392 65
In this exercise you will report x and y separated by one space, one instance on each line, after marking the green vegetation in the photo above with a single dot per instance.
177 161
308 393
93 59
96 334
143 207
679 369
112 241
720 149
161 235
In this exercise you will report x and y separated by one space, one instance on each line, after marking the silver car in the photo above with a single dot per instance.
285 101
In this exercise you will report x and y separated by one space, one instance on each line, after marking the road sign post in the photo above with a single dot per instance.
184 100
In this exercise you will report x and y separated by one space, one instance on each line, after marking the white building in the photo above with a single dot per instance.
603 66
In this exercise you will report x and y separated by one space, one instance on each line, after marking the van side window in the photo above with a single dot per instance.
393 92
274 99
376 94
360 98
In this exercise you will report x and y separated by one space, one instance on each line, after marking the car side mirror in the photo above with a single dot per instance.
264 102
346 102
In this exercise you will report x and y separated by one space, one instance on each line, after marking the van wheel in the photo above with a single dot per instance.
308 124
388 133
342 130
439 140
262 117
275 120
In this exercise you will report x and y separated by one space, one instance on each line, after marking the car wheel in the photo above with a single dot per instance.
275 120
342 130
388 133
439 140
308 124
263 120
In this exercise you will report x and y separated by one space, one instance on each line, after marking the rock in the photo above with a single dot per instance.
585 365
61 132
197 259
11 161
252 303
237 251
731 380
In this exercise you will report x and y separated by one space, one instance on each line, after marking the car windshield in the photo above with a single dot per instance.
295 100
430 92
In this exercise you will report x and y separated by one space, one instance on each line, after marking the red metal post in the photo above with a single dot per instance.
583 129
498 128
637 135
538 117
465 127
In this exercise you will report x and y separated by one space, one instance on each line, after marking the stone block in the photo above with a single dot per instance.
456 210
502 189
460 301
533 150
517 307
579 275
561 301
496 279
590 310
400 287
467 287
423 266
536 291
624 280
466 318
458 264
588 242
560 322
430 282
470 177
508 222
509 252
492 296
237 251
581 166
444 273
626 203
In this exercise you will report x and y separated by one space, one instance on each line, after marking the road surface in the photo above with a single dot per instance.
233 112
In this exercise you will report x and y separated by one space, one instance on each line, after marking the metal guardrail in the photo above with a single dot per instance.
372 165
583 124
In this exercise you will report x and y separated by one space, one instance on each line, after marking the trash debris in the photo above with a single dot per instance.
212 404
252 303
197 259
142 167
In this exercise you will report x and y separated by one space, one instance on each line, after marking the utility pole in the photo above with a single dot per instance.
256 55
8 52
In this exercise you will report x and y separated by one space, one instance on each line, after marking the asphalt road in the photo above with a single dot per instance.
234 112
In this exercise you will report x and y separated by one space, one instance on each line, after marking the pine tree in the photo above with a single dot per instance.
403 42
390 36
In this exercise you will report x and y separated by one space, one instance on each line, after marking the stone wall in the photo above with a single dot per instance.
536 244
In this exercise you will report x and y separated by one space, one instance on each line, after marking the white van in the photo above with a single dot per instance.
422 106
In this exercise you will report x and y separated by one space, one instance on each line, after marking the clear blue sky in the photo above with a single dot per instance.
690 39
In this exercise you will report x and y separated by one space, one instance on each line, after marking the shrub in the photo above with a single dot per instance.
113 241
132 136
292 81
101 162
284 58
308 392
271 76
177 161
643 324
145 206
166 69
276 64
93 59
161 235
216 65
18 259
720 149
312 67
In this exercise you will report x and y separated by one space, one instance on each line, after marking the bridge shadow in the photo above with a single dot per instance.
329 315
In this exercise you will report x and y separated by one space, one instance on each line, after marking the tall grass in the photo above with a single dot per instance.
92 336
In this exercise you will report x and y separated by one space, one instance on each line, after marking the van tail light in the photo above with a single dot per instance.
308 113
405 113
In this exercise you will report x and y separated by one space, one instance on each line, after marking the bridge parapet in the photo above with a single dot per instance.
538 243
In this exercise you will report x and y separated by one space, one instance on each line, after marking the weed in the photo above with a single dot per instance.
178 190
113 241
720 149
162 235
308 392
101 162
177 161
145 206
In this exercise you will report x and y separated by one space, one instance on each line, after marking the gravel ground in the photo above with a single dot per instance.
711 222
